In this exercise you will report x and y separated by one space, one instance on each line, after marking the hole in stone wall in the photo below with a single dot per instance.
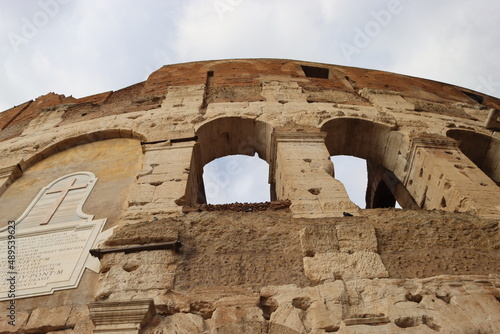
315 72
315 191
268 306
407 322
236 178
128 267
414 298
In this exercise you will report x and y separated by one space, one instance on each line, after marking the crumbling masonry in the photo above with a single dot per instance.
119 175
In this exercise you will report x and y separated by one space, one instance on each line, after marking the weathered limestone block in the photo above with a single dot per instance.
141 194
385 306
48 319
136 271
283 92
80 328
46 121
319 239
386 101
331 265
440 176
474 306
233 109
163 179
140 233
353 237
237 300
171 302
79 315
370 298
183 100
21 320
237 319
179 323
286 317
316 308
322 316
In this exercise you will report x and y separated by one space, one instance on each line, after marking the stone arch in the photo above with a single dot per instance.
483 150
116 162
9 174
222 137
381 146
81 139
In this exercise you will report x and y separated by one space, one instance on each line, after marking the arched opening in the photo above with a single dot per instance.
236 178
351 171
371 179
482 150
223 137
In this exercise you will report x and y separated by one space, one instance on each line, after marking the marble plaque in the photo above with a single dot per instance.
52 240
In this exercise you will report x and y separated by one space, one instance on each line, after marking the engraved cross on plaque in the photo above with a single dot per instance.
64 191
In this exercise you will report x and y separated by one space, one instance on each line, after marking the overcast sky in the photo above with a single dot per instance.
81 48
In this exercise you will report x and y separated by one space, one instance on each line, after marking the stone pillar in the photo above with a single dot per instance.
161 185
440 176
121 317
303 173
9 175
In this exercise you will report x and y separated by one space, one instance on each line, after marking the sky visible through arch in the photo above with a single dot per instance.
86 47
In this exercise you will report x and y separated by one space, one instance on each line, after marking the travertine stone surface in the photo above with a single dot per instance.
303 174
318 264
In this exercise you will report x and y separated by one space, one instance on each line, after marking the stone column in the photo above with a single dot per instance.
440 176
161 185
303 173
121 317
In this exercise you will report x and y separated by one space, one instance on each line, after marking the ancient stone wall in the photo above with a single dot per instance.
163 262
